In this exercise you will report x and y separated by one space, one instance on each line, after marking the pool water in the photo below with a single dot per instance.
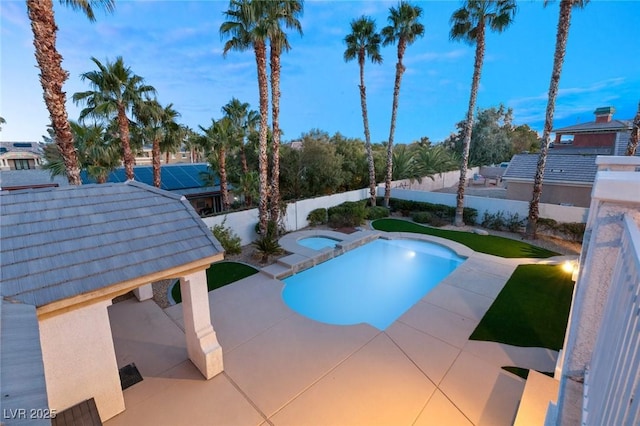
317 243
375 283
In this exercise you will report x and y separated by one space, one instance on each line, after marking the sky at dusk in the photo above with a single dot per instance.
176 47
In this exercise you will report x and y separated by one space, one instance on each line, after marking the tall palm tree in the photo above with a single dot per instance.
404 29
2 121
632 146
277 14
115 91
246 30
362 43
562 34
469 25
158 126
52 76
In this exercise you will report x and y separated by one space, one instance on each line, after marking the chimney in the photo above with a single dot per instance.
604 114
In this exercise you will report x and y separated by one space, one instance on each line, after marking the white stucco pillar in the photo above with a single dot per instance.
202 344
80 361
144 293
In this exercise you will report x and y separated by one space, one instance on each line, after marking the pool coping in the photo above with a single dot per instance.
302 258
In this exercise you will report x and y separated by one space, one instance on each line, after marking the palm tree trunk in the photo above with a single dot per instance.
155 159
224 190
167 157
402 44
562 35
243 159
367 135
261 62
52 78
632 146
468 125
123 127
275 121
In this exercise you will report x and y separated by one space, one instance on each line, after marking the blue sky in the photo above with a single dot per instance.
176 47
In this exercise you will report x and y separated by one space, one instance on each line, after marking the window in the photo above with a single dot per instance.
22 164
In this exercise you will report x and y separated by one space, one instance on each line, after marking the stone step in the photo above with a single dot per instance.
277 271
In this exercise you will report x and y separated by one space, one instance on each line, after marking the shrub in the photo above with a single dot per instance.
469 215
447 213
267 246
349 213
273 230
422 217
502 222
229 240
377 212
317 217
573 230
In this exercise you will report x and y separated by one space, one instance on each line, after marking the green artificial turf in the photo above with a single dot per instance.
531 310
489 244
220 274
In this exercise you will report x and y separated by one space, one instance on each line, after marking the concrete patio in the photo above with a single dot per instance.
284 369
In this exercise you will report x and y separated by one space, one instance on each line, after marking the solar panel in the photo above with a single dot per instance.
173 177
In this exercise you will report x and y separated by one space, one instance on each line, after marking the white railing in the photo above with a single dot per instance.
612 382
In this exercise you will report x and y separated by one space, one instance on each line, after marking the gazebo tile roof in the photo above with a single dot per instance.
83 238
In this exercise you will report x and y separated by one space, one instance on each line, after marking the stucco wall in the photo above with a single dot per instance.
615 195
494 205
243 223
439 181
551 194
79 360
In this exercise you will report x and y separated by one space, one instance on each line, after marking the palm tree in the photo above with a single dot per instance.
2 121
469 25
116 90
246 30
431 160
96 152
404 30
239 114
218 138
632 146
277 13
364 42
158 126
52 76
562 34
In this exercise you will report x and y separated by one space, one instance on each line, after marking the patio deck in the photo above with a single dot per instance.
284 369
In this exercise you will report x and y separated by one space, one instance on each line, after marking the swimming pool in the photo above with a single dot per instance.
317 243
375 283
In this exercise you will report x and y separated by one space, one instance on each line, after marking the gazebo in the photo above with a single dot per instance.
65 254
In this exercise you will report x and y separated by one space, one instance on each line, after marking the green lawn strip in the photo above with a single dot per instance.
489 244
531 310
220 274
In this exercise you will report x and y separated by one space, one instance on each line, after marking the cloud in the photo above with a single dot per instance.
576 103
451 55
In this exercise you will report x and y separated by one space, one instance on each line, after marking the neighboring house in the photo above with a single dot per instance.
183 179
604 136
66 254
145 157
13 180
21 155
568 179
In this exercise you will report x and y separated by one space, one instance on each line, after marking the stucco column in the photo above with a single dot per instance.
202 344
144 293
